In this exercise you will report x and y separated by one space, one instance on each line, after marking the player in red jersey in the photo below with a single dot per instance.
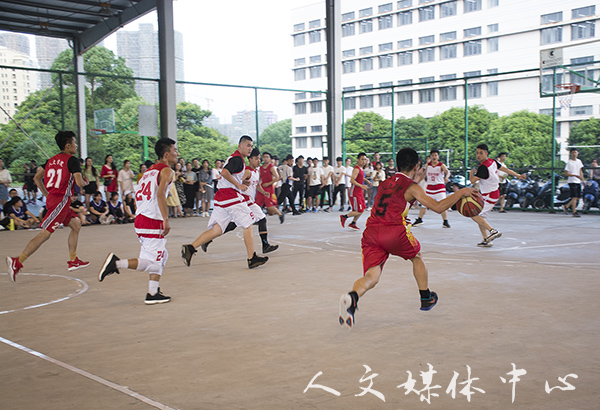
151 223
268 179
356 196
56 180
388 232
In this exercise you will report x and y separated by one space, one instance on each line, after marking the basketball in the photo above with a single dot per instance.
470 206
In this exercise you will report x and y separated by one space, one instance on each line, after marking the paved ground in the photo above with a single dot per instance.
234 338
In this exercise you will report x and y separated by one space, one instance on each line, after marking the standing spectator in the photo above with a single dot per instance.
109 173
143 169
339 181
378 177
300 173
173 200
189 188
90 174
326 182
357 199
503 183
275 161
5 181
309 163
28 175
376 159
390 170
368 170
196 168
99 210
126 178
216 174
594 173
286 187
574 172
314 182
206 188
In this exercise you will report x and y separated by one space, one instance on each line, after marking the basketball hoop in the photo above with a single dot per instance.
565 93
96 132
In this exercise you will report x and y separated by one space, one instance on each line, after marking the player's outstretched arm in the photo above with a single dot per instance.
416 192
512 173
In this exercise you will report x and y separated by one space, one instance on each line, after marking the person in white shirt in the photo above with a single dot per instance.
574 172
326 181
314 185
339 181
503 180
125 178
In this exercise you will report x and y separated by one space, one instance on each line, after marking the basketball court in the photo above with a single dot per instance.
269 338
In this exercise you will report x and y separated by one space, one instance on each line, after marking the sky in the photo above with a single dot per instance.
237 42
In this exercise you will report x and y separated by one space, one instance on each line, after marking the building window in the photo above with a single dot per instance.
448 93
314 36
551 18
405 43
300 96
426 13
300 130
316 128
366 64
316 106
386 61
315 72
426 96
426 40
492 89
472 32
405 18
384 8
348 16
299 61
426 55
386 47
316 142
366 101
365 12
348 29
314 24
448 9
472 48
548 111
300 74
365 50
298 27
385 100
386 22
299 40
449 36
349 103
584 11
474 90
348 53
426 79
493 28
447 52
551 35
493 3
315 59
366 26
402 4
492 44
349 66
301 142
584 29
316 95
405 58
581 110
472 5
404 97
300 108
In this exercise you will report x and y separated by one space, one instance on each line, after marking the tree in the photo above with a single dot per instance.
361 140
586 132
412 132
190 116
276 138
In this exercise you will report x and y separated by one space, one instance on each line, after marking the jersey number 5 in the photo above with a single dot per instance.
381 208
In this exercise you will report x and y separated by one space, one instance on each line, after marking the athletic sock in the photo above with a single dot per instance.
72 256
153 287
22 258
354 297
263 238
425 294
122 264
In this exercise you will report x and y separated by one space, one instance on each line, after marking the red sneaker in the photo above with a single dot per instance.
343 219
77 264
14 266
353 226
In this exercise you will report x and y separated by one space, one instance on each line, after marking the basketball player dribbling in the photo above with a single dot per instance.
388 232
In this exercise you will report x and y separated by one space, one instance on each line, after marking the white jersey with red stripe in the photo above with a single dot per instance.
146 196
490 184
228 194
250 194
435 179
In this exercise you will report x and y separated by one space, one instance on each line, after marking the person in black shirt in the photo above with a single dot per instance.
301 172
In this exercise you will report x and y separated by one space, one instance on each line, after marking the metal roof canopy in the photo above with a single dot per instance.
87 22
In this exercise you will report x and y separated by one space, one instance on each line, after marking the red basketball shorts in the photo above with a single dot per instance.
358 203
265 201
380 241
59 212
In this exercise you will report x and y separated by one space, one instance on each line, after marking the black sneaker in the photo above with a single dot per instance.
156 299
187 251
257 261
445 224
109 267
269 248
576 215
417 221
281 218
484 244
296 213
427 304
494 234
204 246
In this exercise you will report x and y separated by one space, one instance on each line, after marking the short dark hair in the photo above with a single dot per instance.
433 151
162 146
114 194
300 156
255 152
62 138
245 138
289 156
339 159
503 153
267 153
12 189
96 194
406 159
573 149
483 147
325 158
362 154
275 157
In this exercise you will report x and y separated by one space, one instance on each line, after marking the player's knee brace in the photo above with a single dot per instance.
262 225
149 266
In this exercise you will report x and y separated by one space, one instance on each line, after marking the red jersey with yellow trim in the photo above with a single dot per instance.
356 191
390 207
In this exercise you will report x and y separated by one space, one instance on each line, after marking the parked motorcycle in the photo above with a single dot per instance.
590 195
542 200
530 190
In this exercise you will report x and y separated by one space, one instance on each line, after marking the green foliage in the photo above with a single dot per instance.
190 117
192 146
586 132
276 138
368 141
412 132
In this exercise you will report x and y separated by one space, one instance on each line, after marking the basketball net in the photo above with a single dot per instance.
565 93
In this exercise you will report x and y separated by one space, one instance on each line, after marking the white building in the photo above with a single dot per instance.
15 85
413 41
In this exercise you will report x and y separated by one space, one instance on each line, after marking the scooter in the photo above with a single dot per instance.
542 200
515 192
529 192
590 195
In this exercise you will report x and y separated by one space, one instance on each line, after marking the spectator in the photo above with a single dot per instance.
378 177
90 174
574 174
314 182
115 208
390 170
81 211
594 173
326 182
143 168
129 206
189 188
126 178
196 168
376 159
309 163
205 187
30 188
286 188
109 174
16 210
300 173
5 181
216 174
173 201
278 183
339 181
99 210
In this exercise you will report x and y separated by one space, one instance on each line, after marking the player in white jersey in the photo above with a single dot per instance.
436 175
252 175
230 206
487 176
151 223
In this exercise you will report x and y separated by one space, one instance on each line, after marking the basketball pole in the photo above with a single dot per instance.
553 142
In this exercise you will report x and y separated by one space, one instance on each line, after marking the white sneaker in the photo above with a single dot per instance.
347 311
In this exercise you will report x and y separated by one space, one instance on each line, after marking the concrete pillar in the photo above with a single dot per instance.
166 53
80 100
334 67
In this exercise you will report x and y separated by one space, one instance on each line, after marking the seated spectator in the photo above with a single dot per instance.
129 206
99 210
16 210
81 211
115 208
